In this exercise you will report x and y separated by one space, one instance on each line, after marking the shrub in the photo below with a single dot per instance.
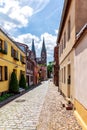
13 86
22 82
5 96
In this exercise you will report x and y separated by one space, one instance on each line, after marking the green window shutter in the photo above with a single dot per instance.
6 72
20 57
17 54
12 51
0 44
5 47
0 73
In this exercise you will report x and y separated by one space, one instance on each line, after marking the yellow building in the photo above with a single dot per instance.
11 59
74 17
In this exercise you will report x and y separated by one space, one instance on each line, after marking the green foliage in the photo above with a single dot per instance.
49 69
50 66
5 96
42 65
13 86
22 82
27 88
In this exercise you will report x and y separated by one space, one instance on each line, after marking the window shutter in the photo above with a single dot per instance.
17 54
6 73
0 73
0 44
20 57
5 46
12 52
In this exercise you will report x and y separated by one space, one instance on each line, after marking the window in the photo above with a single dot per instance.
64 40
32 67
31 78
5 46
22 59
69 29
15 54
64 74
6 73
61 75
62 46
0 73
60 50
3 73
0 44
22 72
12 52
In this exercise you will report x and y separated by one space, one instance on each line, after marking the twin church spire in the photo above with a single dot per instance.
43 52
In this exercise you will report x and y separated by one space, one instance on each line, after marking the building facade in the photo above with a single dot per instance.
30 64
12 58
70 26
56 67
80 52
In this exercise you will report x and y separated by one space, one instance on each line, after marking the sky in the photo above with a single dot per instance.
25 20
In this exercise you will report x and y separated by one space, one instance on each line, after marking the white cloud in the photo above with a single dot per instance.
21 14
50 42
56 32
18 12
27 39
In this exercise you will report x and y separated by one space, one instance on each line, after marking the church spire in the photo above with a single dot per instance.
43 46
33 49
43 53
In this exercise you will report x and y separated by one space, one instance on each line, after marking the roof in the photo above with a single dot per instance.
22 46
12 40
63 17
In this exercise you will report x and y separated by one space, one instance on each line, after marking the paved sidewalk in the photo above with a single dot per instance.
23 113
53 116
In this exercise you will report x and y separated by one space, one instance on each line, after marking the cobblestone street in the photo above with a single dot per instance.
23 113
55 117
39 109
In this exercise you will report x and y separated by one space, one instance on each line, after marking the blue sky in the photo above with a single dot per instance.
27 19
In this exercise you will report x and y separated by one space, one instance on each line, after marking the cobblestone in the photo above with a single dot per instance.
23 113
39 109
55 117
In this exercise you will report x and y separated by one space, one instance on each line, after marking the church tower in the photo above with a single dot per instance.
33 50
43 53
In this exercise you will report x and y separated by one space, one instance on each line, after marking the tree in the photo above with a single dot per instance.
13 86
50 69
22 82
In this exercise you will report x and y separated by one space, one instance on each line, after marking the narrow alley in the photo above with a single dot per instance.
39 109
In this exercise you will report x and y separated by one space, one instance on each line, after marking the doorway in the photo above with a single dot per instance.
68 80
